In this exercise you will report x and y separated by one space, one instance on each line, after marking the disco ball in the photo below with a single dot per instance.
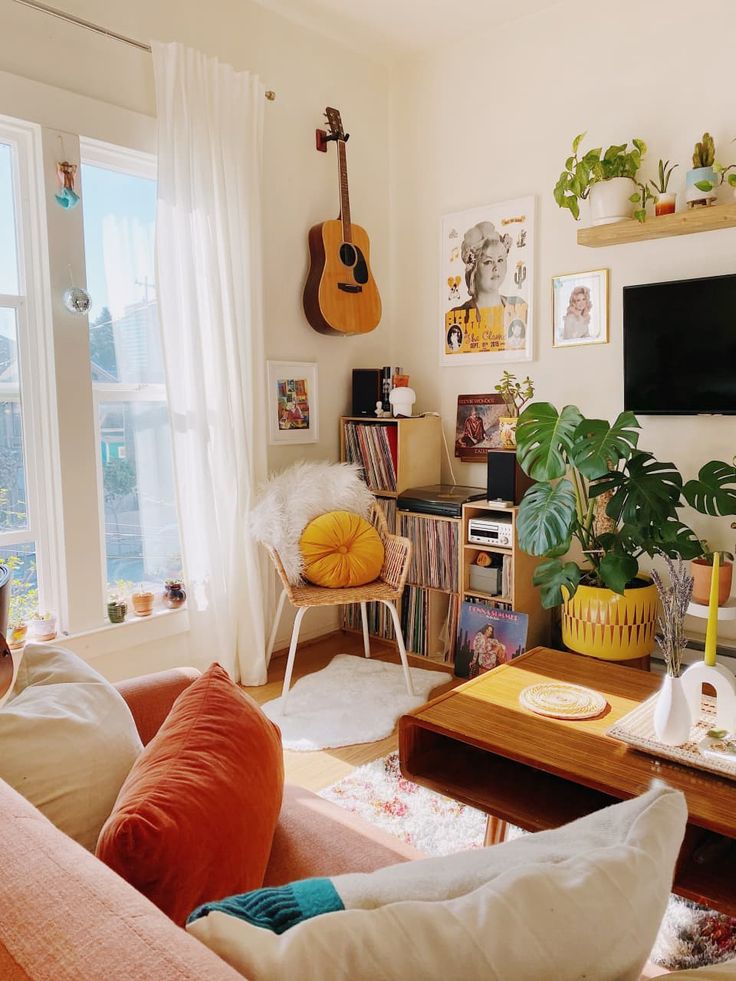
77 300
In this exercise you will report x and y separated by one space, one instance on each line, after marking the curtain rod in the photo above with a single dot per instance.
80 22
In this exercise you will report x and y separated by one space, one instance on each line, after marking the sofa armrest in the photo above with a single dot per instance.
150 697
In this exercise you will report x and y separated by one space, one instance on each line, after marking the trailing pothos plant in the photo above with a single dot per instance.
595 486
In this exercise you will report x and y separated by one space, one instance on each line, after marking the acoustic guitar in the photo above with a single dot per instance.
340 295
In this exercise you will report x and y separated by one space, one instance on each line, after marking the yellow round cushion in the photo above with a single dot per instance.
341 549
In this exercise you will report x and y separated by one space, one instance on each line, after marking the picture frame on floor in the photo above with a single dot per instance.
293 407
580 308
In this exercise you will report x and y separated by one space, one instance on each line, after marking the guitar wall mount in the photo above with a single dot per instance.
322 138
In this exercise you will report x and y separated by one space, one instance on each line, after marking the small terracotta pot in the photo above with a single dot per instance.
117 611
142 604
17 636
507 431
702 572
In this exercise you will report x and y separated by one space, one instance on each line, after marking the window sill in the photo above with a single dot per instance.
113 637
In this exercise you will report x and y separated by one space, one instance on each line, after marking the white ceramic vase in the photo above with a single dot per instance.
609 200
672 719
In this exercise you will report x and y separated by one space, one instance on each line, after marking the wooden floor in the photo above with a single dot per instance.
323 767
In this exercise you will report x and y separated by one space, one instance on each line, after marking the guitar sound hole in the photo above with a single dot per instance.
348 254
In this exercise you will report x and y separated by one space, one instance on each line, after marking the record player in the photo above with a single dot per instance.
445 500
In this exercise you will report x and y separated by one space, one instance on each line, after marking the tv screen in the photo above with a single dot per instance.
680 347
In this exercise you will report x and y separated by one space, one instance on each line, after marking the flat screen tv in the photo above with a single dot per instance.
680 347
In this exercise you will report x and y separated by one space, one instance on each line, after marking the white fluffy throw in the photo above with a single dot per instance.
289 500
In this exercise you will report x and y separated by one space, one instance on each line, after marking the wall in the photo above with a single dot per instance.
492 118
308 72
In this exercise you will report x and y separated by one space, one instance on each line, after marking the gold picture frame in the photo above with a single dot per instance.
580 308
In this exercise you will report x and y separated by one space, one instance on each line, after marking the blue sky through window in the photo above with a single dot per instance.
8 257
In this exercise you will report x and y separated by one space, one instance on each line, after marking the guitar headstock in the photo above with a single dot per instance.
334 121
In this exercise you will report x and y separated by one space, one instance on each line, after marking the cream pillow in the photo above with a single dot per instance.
583 901
67 741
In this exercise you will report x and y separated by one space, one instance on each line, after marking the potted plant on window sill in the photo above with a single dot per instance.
174 593
142 600
607 179
41 626
515 395
595 486
117 607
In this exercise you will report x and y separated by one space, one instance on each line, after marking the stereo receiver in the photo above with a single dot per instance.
481 531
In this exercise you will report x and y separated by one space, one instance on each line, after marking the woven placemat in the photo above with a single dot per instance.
561 700
637 730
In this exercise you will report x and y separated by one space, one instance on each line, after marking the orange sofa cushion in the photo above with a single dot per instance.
195 818
341 549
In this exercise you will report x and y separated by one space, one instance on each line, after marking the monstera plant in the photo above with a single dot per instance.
596 486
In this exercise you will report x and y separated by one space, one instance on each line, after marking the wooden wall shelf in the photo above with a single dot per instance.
681 223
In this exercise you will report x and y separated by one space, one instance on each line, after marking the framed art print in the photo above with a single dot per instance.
580 308
487 284
292 402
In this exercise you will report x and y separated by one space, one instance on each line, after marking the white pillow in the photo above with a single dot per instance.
67 741
583 901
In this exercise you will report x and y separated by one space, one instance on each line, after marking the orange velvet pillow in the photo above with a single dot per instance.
195 819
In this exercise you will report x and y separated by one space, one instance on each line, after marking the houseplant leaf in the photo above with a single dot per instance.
546 517
544 438
645 492
714 492
616 569
552 577
597 444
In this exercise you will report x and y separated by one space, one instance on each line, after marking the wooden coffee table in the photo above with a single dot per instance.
476 744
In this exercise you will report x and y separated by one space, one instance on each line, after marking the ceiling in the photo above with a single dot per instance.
395 27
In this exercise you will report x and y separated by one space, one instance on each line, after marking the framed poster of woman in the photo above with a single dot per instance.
580 308
487 284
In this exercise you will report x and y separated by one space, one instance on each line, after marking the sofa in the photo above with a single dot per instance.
67 917
64 916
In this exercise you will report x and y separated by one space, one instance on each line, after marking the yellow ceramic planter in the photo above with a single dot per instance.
604 624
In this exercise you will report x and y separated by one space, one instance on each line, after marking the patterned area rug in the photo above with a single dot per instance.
690 935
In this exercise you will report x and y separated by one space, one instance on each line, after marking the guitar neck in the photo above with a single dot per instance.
342 164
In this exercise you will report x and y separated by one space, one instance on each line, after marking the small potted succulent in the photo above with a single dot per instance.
117 607
701 180
41 626
174 594
18 613
701 570
607 179
665 202
515 395
17 632
142 600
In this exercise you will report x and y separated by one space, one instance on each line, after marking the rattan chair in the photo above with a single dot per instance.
386 589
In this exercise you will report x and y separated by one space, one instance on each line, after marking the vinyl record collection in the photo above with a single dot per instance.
435 557
374 448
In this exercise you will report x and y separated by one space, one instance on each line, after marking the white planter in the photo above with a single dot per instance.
42 629
672 719
609 200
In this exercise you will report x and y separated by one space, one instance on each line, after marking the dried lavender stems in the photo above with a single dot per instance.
671 623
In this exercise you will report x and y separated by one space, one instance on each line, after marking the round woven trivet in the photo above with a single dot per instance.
559 700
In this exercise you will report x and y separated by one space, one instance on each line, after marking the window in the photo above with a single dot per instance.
141 536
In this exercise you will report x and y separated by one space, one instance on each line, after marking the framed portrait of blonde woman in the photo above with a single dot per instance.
487 284
580 308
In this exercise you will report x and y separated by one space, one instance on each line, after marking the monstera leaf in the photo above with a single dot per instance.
546 518
544 439
714 492
597 444
552 577
645 492
667 537
616 569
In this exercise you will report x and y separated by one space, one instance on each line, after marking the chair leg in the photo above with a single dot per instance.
292 654
402 646
275 627
366 636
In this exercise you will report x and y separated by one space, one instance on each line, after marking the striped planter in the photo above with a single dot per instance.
604 624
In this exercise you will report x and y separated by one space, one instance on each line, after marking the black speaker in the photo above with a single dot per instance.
367 390
506 480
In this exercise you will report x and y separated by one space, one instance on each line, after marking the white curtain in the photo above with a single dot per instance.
208 254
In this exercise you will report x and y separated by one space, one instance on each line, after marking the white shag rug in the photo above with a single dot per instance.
690 935
352 700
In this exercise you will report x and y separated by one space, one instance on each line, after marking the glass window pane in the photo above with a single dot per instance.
141 531
13 498
24 586
8 346
8 248
119 223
